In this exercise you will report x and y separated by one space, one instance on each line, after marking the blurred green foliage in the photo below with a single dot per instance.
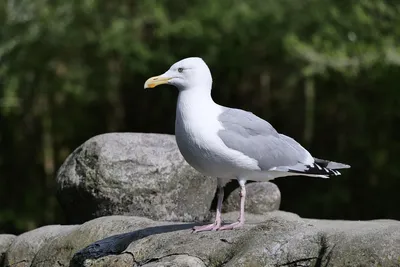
324 72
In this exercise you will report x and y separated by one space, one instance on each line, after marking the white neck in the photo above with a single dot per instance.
195 96
195 104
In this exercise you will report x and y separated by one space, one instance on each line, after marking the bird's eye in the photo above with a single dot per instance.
180 69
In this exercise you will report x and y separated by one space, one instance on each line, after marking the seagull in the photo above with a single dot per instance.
229 143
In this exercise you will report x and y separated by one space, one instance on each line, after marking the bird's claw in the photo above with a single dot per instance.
231 226
208 227
217 227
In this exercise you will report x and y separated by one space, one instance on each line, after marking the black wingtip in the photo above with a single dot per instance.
316 169
331 164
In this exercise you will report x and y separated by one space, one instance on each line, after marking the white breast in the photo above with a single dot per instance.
196 131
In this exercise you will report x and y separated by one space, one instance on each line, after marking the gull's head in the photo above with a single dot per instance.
189 73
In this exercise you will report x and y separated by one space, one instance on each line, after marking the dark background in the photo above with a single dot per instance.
324 72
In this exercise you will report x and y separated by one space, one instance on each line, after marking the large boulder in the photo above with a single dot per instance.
24 247
132 174
274 239
261 197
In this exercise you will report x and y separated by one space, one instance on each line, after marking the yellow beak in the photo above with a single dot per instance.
156 80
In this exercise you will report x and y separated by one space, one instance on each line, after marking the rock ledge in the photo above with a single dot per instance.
275 239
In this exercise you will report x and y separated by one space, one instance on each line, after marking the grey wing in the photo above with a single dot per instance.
245 132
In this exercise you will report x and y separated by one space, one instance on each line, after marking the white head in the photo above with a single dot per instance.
189 73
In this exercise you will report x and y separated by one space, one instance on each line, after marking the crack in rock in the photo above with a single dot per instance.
296 263
323 251
15 263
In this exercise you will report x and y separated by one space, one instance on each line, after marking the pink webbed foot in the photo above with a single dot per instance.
232 226
240 221
209 227
217 224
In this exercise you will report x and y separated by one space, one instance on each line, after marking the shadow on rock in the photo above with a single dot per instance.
116 244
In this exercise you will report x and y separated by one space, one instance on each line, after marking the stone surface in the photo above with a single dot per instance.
132 174
24 247
5 242
282 240
274 239
112 260
177 261
261 197
59 252
127 260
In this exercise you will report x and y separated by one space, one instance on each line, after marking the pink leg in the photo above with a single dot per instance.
217 224
240 221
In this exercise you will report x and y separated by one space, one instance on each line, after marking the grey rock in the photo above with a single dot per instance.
115 233
113 260
276 239
126 260
177 261
24 247
261 197
59 251
253 219
5 242
133 174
